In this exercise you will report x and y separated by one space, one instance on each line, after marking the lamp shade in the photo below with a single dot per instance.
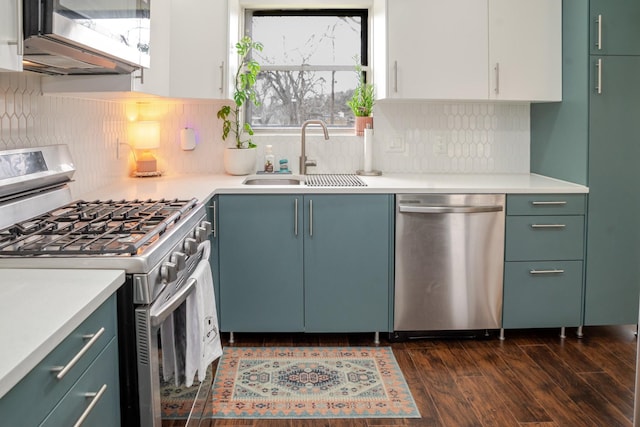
145 135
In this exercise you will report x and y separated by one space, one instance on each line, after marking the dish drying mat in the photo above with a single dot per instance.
334 180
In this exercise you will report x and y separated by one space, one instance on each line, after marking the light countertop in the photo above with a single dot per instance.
39 308
203 187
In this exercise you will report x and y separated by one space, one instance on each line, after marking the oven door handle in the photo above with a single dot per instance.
158 314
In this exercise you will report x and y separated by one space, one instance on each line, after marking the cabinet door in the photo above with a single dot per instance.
9 34
437 49
346 263
525 50
214 261
198 49
261 288
613 252
155 79
542 294
614 28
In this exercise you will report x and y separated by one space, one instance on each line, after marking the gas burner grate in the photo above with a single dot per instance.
94 228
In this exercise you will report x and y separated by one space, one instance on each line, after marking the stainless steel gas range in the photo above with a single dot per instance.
158 243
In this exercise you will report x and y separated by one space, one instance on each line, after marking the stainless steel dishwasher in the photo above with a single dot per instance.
449 262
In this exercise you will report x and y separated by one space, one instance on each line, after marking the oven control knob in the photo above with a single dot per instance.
207 226
179 259
190 246
200 234
169 272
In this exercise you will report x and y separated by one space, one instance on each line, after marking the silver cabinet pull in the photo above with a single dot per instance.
64 370
548 225
395 76
19 37
553 271
497 70
215 225
95 397
222 77
599 40
413 208
310 218
295 217
544 203
599 78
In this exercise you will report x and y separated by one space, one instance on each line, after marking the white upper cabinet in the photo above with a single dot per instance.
10 35
188 51
437 49
199 49
525 50
468 49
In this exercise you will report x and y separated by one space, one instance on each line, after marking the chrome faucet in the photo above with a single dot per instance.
303 156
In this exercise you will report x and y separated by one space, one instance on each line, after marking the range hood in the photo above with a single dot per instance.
86 37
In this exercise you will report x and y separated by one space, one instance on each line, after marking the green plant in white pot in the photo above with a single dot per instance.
362 101
241 158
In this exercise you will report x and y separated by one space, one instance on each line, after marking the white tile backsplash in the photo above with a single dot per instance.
409 137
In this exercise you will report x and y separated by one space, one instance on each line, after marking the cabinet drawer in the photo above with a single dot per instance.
546 204
542 294
96 395
544 238
39 391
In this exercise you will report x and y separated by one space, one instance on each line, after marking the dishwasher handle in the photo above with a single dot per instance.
430 209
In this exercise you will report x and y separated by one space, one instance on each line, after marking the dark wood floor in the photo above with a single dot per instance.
533 378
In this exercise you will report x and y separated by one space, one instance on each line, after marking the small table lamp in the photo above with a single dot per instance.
145 136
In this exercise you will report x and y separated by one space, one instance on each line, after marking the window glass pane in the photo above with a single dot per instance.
326 44
288 98
310 40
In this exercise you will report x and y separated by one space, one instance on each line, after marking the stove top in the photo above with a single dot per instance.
114 228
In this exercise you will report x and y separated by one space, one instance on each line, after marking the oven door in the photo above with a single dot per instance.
152 390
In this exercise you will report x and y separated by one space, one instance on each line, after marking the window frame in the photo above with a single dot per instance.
363 13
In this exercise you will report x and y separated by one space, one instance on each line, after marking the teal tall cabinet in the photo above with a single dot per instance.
593 137
305 263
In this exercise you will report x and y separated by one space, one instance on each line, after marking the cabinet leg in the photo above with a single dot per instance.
501 334
376 338
563 334
579 333
232 339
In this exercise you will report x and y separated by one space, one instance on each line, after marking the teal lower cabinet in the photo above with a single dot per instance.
542 294
544 261
90 388
346 263
305 263
260 261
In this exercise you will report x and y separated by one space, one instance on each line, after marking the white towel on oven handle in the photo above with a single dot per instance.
167 337
203 336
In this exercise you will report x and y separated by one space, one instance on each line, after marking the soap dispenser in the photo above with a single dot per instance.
269 159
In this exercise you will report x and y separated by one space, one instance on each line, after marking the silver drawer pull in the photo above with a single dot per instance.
95 397
419 208
64 370
548 225
554 271
543 203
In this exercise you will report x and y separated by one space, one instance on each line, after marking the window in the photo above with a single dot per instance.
307 65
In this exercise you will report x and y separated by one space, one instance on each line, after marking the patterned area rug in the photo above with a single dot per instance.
310 382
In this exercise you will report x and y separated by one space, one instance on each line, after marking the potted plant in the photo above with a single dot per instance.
361 103
241 158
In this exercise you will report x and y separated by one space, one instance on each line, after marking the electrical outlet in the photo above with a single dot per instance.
439 147
396 144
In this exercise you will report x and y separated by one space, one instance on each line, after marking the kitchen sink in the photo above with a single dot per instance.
273 180
313 180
